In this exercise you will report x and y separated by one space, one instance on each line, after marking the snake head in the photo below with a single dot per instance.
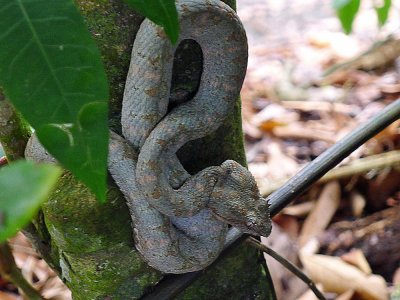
236 200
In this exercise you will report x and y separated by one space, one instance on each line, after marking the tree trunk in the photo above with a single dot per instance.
89 244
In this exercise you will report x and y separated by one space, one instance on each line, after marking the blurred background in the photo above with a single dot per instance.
308 84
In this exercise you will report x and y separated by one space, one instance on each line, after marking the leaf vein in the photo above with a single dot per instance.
5 7
19 53
44 54
11 29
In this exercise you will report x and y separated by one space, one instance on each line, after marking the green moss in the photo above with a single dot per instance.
86 224
14 132
239 277
94 242
108 273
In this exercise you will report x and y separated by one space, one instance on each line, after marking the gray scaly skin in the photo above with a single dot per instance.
180 221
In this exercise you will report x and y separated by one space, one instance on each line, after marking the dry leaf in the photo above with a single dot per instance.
346 296
309 294
396 277
299 130
357 203
311 247
269 125
319 218
382 187
259 170
281 165
322 106
287 285
9 296
299 210
290 225
390 88
337 276
36 270
356 258
252 131
269 112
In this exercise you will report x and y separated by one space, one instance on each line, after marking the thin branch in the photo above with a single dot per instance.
303 180
283 196
288 265
12 273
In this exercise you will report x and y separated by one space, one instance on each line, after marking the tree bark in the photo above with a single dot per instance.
89 244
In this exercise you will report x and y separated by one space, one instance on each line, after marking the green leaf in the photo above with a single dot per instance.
65 142
346 11
51 70
24 187
383 12
336 4
161 12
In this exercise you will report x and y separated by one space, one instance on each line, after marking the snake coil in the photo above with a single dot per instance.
180 221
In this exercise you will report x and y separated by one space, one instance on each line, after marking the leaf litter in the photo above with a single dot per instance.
307 85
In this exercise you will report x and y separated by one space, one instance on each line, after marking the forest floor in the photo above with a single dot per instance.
345 232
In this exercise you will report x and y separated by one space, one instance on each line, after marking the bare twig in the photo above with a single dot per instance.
331 157
11 272
283 196
288 265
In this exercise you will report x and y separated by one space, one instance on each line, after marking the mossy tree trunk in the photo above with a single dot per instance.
90 244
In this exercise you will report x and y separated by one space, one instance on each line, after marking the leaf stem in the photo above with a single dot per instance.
288 265
12 273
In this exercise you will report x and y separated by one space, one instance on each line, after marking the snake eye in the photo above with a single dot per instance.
251 226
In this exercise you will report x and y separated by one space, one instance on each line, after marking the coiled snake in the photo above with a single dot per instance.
180 221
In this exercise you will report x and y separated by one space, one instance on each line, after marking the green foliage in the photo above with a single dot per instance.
346 11
24 187
383 11
51 71
161 12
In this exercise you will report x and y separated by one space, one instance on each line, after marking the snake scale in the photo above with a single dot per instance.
180 221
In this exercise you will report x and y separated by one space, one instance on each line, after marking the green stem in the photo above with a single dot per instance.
12 273
288 265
